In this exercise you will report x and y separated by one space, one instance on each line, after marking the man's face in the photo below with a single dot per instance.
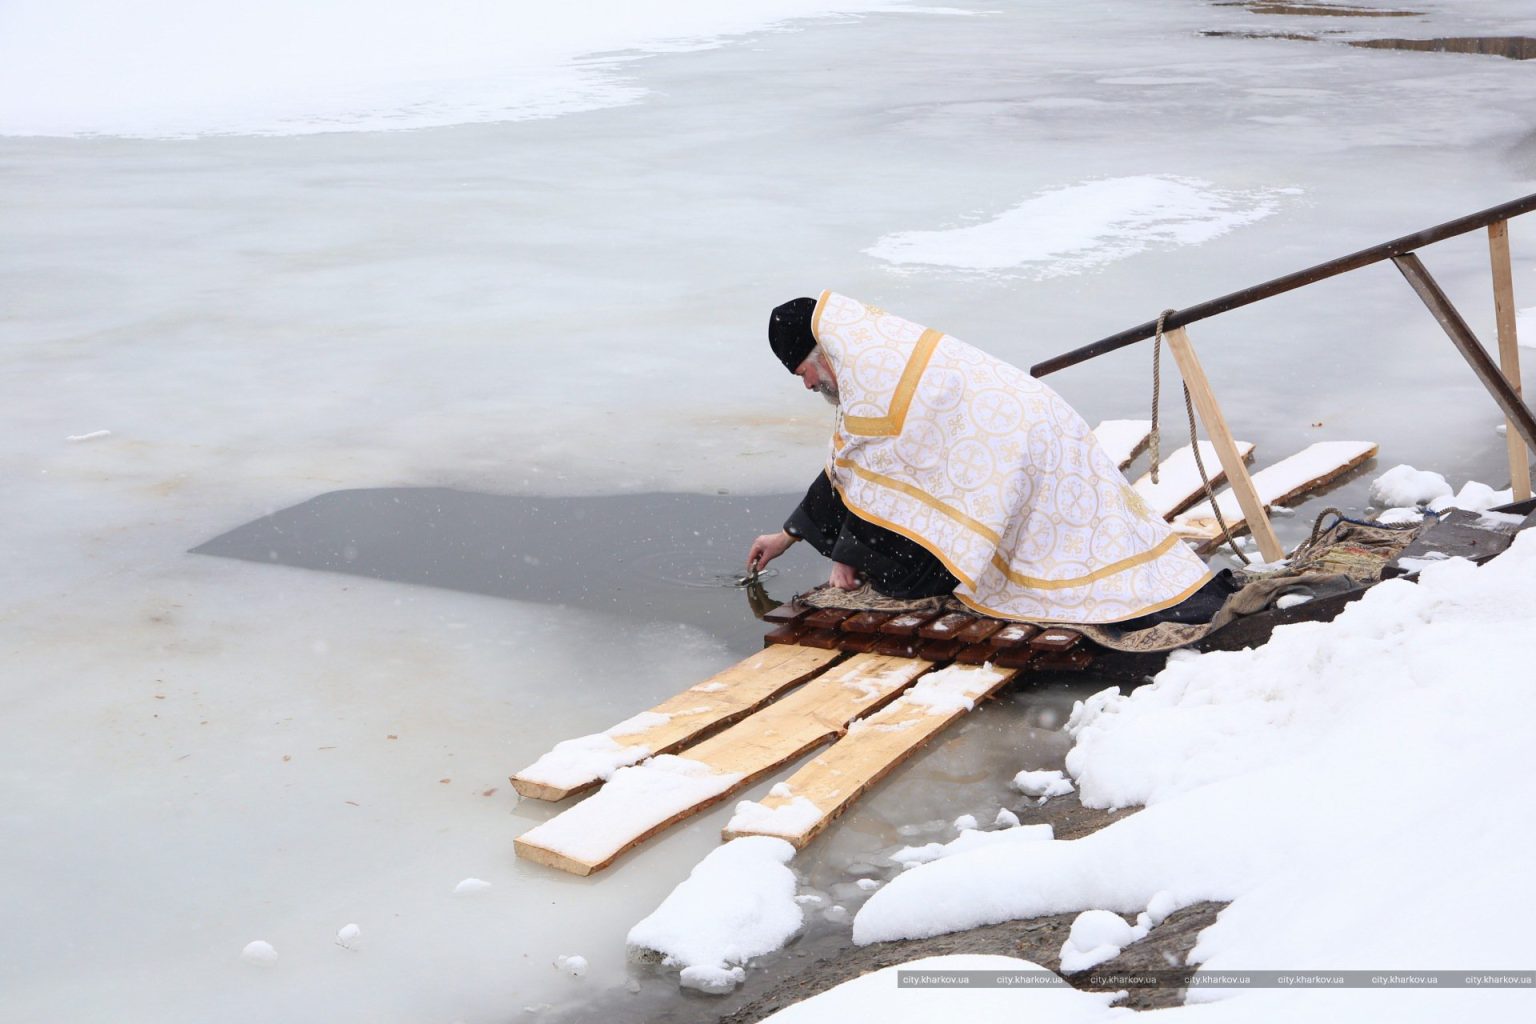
818 377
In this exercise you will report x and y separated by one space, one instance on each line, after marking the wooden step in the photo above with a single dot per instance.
643 799
799 808
719 700
1307 470
1178 478
1123 440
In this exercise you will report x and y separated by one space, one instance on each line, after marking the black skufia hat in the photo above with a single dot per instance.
789 332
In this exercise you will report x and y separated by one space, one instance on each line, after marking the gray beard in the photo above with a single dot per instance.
829 392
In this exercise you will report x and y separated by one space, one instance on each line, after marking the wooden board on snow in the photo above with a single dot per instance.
1123 440
1289 478
641 800
1178 478
579 764
799 808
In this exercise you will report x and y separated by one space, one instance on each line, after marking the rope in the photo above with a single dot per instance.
1157 390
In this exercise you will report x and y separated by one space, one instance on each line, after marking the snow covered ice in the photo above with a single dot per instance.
256 254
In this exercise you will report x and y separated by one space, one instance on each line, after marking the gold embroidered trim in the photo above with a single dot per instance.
976 605
1033 582
882 480
1040 583
890 424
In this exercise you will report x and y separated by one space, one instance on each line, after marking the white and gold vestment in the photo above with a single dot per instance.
992 472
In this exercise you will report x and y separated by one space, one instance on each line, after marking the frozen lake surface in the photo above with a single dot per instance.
201 752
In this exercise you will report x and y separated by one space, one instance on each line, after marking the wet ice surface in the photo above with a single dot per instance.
203 753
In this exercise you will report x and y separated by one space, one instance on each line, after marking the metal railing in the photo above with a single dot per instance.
1501 379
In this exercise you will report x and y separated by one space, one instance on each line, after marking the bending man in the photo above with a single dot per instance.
952 471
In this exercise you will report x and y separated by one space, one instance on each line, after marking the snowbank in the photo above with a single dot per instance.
1349 787
739 902
190 67
1078 227
875 997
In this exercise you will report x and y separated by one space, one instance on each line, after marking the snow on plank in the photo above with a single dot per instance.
1289 478
643 799
576 765
799 808
1178 478
1123 440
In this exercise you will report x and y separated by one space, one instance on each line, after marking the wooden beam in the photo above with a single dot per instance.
809 800
643 799
1308 469
1515 410
1509 352
1178 482
1226 448
577 765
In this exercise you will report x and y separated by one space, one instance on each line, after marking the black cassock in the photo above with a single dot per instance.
892 564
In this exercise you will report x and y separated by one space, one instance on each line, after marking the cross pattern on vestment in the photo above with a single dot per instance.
995 411
969 463
1112 540
1076 500
882 365
922 443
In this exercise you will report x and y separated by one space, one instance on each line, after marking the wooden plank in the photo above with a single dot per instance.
938 651
643 799
1014 634
907 624
865 622
945 627
1178 479
721 699
1123 440
979 630
1289 478
1509 353
827 618
1056 640
825 639
788 633
1205 404
801 807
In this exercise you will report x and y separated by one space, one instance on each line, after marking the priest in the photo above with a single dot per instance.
951 471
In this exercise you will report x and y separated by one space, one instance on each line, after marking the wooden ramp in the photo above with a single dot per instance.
579 764
1178 478
643 799
1289 478
1123 440
799 808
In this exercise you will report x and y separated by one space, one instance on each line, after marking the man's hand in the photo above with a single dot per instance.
843 576
768 547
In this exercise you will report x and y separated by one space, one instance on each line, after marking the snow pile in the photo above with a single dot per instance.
1348 786
1079 227
1097 936
737 903
1043 784
971 839
1473 497
876 997
951 690
1402 486
576 762
790 819
572 964
259 953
